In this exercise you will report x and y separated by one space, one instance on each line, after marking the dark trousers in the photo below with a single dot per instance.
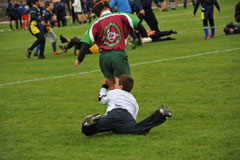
150 19
185 3
62 20
18 18
121 121
40 40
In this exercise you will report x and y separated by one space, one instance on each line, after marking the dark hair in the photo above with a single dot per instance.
48 3
127 82
34 1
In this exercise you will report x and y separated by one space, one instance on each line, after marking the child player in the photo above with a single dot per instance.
24 14
122 112
35 26
110 31
207 15
49 19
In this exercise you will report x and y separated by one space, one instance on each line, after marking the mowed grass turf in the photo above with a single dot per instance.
41 118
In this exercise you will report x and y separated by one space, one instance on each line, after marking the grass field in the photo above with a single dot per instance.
43 102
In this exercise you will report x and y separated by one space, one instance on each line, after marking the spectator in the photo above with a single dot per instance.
87 7
9 13
61 13
78 10
24 14
16 13
172 2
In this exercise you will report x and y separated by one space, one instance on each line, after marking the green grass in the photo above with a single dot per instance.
42 119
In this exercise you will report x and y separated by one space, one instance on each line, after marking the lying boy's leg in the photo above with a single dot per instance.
114 121
143 127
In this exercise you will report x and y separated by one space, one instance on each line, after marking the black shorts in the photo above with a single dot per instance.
208 14
11 18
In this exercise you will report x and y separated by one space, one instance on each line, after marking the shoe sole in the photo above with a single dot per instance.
165 112
91 120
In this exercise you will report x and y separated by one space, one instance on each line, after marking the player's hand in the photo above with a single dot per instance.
48 28
142 12
219 11
159 9
77 63
193 15
56 24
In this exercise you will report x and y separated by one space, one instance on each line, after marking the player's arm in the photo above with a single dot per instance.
102 98
86 43
46 17
84 49
196 7
135 21
215 2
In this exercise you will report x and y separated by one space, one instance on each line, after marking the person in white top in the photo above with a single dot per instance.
122 112
78 9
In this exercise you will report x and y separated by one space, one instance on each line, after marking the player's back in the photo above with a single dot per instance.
111 30
122 99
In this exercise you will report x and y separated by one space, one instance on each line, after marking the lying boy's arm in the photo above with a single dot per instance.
103 99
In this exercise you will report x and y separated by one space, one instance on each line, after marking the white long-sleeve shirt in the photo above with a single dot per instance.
118 98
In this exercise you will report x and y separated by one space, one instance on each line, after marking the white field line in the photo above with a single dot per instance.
136 64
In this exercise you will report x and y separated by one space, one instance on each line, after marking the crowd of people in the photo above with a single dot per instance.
18 11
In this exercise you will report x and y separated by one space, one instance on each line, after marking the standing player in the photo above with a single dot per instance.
110 32
35 27
207 15
48 18
9 13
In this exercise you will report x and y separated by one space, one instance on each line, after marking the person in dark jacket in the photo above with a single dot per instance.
9 13
61 13
17 14
146 13
35 27
237 12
